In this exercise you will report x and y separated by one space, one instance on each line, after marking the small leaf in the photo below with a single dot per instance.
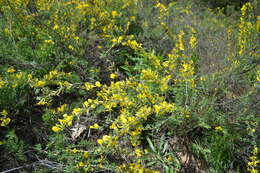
161 143
165 147
151 145
166 168
204 125
151 163
171 170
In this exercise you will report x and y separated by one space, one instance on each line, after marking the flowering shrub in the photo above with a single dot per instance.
127 86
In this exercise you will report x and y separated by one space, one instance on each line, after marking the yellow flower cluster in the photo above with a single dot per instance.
95 126
108 141
245 29
134 98
39 83
131 102
136 168
67 120
4 119
11 70
163 10
133 44
49 41
253 163
14 78
148 74
164 107
193 41
177 58
219 129
62 108
128 123
180 44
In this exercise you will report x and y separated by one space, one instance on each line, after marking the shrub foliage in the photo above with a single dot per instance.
128 86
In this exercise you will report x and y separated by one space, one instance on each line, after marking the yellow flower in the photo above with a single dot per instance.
62 121
138 152
42 102
157 108
11 70
193 41
100 141
219 128
5 121
181 44
120 38
4 112
53 73
253 157
148 74
133 44
14 85
86 104
19 75
88 86
114 40
170 158
30 76
113 76
71 47
85 154
40 83
55 27
80 164
106 138
164 83
114 14
56 129
74 150
255 151
76 111
69 118
69 123
253 171
49 41
62 108
98 84
113 126
95 126
253 163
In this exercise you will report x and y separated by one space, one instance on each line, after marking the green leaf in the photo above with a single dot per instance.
151 163
151 145
204 125
165 147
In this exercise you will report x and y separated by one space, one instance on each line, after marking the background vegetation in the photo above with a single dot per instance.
129 86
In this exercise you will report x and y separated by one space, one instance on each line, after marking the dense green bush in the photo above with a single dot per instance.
128 86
